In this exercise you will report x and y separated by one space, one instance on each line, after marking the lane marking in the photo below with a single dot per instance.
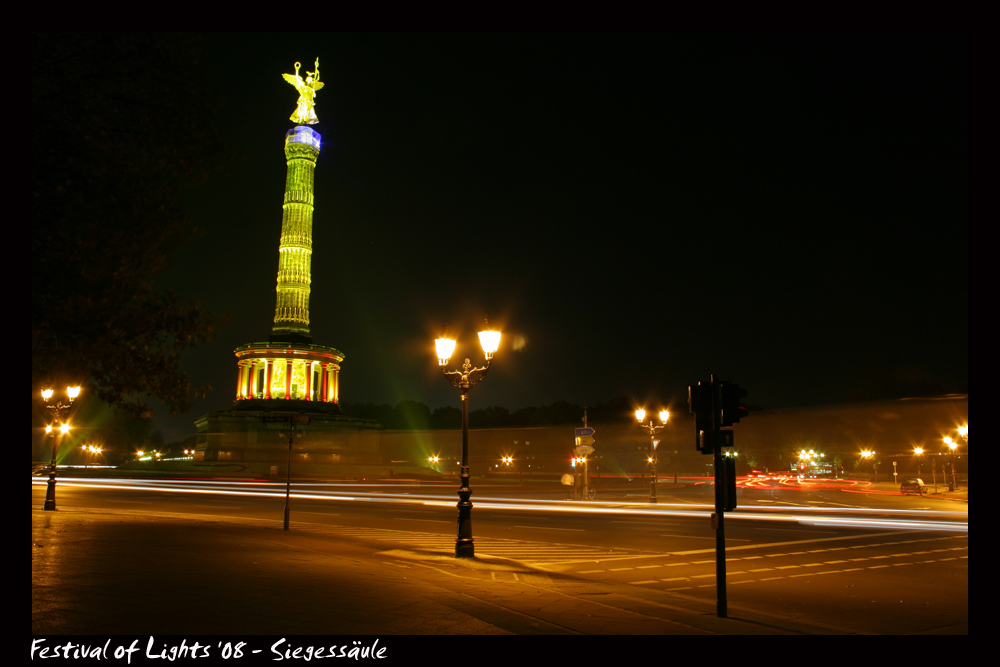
782 544
793 530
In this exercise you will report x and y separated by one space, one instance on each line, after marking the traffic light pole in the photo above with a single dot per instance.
718 519
716 408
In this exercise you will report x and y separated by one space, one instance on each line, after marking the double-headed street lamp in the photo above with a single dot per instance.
869 455
953 447
464 380
91 450
652 427
59 411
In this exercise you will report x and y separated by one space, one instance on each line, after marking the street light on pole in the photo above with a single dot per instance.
869 455
652 427
59 411
952 446
464 380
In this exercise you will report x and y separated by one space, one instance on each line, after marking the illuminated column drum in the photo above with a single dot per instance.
266 368
291 313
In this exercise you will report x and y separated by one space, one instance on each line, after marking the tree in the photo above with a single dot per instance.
447 417
120 123
411 416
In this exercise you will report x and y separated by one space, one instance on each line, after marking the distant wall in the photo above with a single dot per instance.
769 439
244 436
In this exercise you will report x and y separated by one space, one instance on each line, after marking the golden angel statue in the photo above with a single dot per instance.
305 112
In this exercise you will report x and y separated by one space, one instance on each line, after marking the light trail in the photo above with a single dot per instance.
881 519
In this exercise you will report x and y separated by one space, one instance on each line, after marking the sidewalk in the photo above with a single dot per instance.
960 493
145 573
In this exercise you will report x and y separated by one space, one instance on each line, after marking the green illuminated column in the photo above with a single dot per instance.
291 314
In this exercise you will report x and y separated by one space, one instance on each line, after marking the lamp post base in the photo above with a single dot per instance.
464 547
50 494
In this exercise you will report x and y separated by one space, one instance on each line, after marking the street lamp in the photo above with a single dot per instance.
870 456
918 452
464 380
91 450
652 427
59 411
952 445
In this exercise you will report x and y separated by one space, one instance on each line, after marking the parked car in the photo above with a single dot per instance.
913 485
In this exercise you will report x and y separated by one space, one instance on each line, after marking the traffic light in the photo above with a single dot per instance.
700 402
732 411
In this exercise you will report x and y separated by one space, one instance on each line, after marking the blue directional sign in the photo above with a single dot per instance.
584 432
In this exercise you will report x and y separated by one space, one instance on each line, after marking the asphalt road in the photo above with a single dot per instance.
875 563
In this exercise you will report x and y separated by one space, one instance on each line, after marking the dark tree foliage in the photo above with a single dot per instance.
447 417
412 415
120 124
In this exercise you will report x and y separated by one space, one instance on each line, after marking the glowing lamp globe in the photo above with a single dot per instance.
664 416
640 414
445 348
490 340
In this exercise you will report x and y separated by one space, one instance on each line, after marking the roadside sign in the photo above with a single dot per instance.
655 443
586 440
584 432
584 450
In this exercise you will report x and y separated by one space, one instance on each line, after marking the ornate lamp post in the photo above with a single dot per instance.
464 380
869 455
952 446
58 411
652 427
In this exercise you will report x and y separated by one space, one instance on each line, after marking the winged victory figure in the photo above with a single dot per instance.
305 112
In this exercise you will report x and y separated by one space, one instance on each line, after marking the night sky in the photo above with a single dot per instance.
634 212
